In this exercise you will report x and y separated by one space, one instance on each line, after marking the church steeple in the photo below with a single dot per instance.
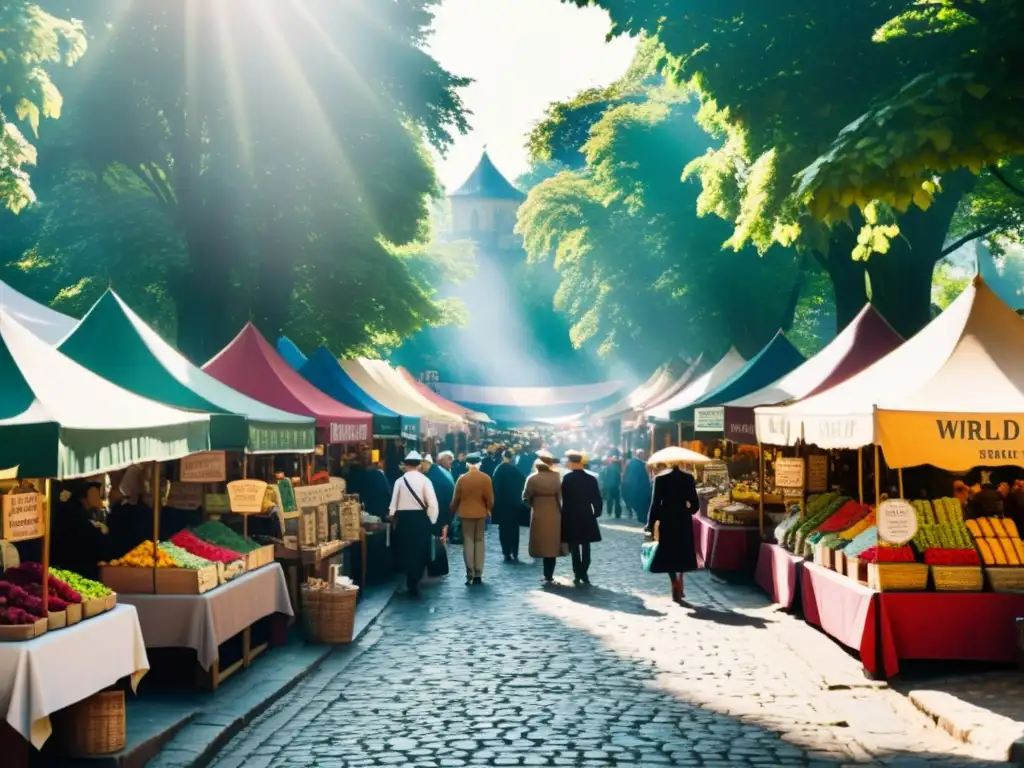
486 182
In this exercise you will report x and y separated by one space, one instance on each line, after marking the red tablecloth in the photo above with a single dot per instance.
973 626
725 547
778 573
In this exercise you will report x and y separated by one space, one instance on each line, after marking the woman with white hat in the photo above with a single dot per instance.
413 512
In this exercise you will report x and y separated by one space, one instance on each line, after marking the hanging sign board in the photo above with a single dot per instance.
817 473
286 497
23 516
9 474
709 420
209 467
789 473
184 496
314 495
897 521
246 496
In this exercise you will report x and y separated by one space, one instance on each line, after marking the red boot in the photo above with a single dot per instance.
677 590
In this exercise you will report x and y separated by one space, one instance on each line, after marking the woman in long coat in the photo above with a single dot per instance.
509 483
673 506
543 493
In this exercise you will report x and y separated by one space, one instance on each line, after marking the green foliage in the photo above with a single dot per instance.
30 40
947 283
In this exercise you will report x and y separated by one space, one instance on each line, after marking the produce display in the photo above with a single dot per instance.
784 526
87 588
855 530
21 595
192 543
845 517
885 554
183 558
942 536
220 535
142 557
862 542
819 509
998 541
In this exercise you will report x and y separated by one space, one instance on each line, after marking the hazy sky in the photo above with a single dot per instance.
523 55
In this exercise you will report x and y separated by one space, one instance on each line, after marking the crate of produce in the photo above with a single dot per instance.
94 606
898 577
839 561
186 581
12 633
1005 579
822 556
74 612
56 620
957 578
126 579
258 558
95 726
857 569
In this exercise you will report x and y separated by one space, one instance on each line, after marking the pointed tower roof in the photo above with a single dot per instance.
486 182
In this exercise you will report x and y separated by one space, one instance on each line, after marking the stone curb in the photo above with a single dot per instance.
1001 737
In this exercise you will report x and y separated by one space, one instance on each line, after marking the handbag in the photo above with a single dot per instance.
438 563
649 550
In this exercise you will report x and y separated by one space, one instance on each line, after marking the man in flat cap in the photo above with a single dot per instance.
473 502
581 506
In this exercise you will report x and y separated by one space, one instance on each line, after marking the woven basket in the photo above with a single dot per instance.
957 578
329 614
1005 579
898 577
94 726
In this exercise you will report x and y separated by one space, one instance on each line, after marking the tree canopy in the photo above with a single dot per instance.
276 158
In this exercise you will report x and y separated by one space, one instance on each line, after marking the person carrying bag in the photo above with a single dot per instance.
413 512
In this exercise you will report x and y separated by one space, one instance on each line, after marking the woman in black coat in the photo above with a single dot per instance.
509 510
672 508
581 506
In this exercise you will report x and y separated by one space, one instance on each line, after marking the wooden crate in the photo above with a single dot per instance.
898 577
823 556
127 580
857 570
110 601
1005 578
185 581
93 607
21 632
74 613
57 620
259 557
839 561
957 578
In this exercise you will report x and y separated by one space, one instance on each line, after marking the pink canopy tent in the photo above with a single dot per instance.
252 366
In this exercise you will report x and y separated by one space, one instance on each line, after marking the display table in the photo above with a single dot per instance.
58 669
204 622
725 547
778 573
969 626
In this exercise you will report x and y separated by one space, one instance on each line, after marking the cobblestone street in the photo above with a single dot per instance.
511 673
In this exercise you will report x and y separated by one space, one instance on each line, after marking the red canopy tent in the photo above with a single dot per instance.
252 366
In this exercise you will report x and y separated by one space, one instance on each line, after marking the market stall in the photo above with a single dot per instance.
47 324
60 420
929 578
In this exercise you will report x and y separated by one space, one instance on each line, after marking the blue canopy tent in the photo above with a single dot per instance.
291 353
322 370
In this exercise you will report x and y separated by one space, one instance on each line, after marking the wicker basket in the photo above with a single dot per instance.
1005 579
329 614
898 577
957 578
94 726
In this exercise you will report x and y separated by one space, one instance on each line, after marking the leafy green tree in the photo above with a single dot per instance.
30 40
285 147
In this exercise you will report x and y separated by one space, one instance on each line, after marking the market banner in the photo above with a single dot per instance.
709 420
739 425
955 442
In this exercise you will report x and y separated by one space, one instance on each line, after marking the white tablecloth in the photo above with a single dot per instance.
39 677
203 622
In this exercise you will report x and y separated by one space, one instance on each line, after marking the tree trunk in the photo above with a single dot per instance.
846 275
901 280
273 283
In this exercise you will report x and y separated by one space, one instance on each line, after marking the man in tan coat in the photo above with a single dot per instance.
473 503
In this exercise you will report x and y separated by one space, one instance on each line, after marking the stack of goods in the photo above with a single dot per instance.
183 558
17 606
942 536
142 557
87 588
864 541
887 554
220 535
998 541
819 509
21 599
233 562
782 528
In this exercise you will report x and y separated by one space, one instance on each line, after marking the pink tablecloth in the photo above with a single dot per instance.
725 547
973 626
778 573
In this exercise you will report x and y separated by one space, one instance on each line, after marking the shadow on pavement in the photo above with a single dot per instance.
729 618
605 599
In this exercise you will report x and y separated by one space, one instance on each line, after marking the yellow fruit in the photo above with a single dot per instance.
1010 550
1011 528
997 527
986 528
986 552
974 528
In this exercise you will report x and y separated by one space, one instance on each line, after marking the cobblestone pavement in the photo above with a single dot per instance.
512 673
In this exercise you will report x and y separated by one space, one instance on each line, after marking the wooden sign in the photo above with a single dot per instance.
286 496
351 521
246 496
789 473
23 516
208 467
323 525
315 495
184 496
897 521
817 473
307 528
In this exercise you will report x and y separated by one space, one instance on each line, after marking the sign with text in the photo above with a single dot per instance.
23 516
789 473
209 467
709 420
307 496
969 440
246 496
897 521
817 473
184 496
739 426
348 433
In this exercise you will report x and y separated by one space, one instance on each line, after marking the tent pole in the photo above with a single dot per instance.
899 476
760 487
878 479
156 520
680 433
46 546
860 474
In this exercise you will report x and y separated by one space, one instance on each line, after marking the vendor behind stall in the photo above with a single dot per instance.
79 537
